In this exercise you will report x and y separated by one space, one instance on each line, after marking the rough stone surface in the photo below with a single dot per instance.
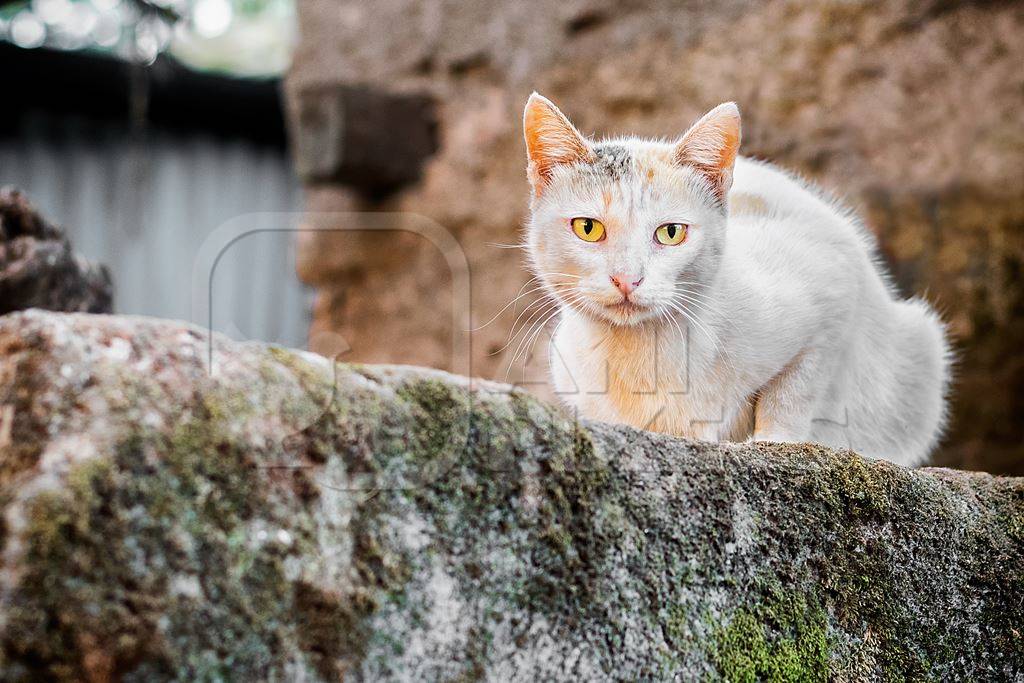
347 135
911 110
38 269
289 519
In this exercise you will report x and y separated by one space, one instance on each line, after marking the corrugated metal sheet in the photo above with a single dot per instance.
143 203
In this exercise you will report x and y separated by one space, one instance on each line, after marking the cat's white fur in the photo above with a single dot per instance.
772 321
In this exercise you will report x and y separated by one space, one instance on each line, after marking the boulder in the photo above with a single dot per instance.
176 506
38 268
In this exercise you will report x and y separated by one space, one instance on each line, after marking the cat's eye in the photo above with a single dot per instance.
588 229
670 234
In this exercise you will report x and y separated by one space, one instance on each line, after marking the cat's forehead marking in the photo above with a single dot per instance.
613 160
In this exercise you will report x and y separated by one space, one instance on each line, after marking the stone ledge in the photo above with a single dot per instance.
287 519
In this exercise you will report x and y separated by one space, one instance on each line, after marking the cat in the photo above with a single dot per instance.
708 295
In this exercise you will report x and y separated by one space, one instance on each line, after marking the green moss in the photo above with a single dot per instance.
309 374
24 375
474 448
783 638
1009 496
102 558
617 543
572 542
442 418
878 529
676 624
108 556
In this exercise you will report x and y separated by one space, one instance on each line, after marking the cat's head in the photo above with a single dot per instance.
619 228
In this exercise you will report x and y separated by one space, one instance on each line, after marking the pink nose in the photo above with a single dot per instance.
625 283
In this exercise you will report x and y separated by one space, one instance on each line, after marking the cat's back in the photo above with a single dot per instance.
762 188
779 219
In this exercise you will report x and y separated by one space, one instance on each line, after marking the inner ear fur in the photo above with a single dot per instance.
551 139
711 145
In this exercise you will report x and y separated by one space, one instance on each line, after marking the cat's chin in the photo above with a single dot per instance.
621 314
626 314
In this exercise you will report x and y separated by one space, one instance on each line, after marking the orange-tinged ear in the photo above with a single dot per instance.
551 139
711 145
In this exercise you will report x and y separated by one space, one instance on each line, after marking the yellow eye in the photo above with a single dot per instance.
588 229
670 234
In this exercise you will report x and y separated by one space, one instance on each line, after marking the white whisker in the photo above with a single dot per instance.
499 245
530 323
527 341
532 290
536 335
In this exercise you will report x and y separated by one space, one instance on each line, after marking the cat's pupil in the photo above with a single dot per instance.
588 225
671 230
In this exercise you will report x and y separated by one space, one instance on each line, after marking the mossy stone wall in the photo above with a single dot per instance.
284 517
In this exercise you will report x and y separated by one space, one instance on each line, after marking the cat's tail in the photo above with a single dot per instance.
930 362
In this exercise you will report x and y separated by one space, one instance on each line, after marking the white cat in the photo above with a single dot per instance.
721 298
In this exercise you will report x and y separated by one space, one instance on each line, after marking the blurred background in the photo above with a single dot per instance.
143 126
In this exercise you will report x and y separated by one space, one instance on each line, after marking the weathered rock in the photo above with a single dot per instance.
910 110
38 269
282 519
367 139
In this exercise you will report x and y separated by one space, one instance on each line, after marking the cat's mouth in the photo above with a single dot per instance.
626 311
623 311
626 305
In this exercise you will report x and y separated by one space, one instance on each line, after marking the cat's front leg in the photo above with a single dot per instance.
785 407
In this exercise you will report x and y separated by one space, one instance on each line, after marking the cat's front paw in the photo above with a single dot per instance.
775 437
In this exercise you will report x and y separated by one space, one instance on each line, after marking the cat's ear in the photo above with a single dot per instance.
551 139
711 145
